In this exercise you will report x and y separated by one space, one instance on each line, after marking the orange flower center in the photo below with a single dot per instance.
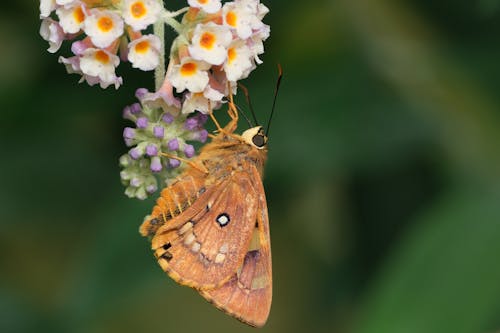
231 55
102 57
207 40
105 24
188 69
142 47
202 2
78 15
138 9
231 19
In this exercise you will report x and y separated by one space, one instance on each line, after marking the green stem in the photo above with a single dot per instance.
176 13
159 30
172 22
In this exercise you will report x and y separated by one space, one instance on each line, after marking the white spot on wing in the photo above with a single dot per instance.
219 258
223 219
189 239
196 247
185 228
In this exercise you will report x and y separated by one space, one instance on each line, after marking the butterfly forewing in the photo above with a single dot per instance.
204 248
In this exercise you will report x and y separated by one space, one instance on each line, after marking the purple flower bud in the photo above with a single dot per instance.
151 150
155 164
168 118
135 153
174 163
135 182
151 188
191 124
140 93
202 118
189 151
128 133
142 122
129 142
173 144
124 175
200 136
159 132
127 114
135 108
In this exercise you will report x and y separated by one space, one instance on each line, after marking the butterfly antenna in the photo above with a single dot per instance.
244 116
280 75
247 96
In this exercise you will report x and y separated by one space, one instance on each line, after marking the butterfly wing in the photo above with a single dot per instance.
174 200
247 294
202 247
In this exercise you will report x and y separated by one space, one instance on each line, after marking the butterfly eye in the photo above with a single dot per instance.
259 140
223 219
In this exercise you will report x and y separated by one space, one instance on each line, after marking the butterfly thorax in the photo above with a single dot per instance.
227 154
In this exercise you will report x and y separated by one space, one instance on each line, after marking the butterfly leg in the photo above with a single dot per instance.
233 112
197 166
219 128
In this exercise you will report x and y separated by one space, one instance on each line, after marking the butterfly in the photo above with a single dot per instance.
209 229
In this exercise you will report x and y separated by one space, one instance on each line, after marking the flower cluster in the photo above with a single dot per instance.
217 45
157 133
101 29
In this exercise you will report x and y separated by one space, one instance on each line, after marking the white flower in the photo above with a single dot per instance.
256 42
47 7
71 17
189 74
72 64
52 32
162 99
210 42
64 2
205 102
208 6
103 27
244 16
144 52
100 64
195 102
262 10
238 18
254 6
213 94
140 13
238 65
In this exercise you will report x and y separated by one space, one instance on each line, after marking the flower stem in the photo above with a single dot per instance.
176 13
172 22
159 30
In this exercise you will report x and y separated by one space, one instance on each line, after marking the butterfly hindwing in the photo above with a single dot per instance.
247 294
202 247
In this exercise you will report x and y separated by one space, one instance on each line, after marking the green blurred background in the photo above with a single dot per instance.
382 179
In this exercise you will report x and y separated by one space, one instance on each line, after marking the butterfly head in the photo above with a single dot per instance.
255 137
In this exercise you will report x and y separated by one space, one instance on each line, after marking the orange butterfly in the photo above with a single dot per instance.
210 230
